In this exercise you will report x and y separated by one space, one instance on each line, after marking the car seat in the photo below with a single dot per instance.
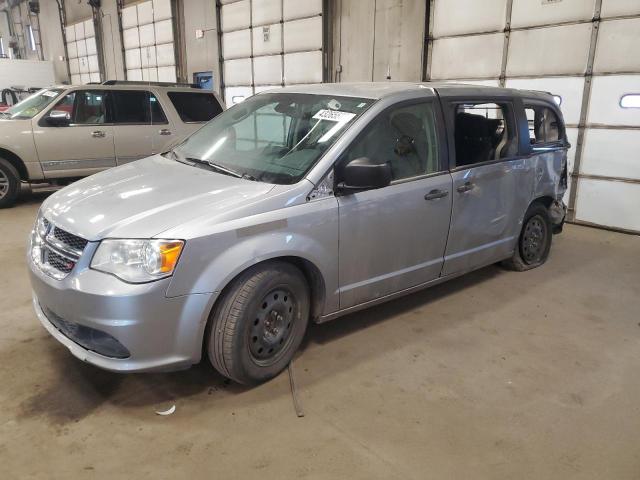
410 146
472 138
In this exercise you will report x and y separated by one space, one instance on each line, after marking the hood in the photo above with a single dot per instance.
144 198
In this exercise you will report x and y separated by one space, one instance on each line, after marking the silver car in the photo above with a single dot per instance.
297 205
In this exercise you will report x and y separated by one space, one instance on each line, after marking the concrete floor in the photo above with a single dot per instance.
494 375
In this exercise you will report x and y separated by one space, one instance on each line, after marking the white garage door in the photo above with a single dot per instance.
582 51
268 44
147 32
82 52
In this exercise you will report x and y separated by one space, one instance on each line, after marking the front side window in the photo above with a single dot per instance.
195 106
483 132
32 105
85 107
273 137
543 124
136 107
405 137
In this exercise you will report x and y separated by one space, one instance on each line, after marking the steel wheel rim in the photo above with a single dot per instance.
533 240
271 328
4 184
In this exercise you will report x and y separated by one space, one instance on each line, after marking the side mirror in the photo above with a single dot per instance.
58 118
362 174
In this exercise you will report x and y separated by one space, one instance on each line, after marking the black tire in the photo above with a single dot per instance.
258 324
9 184
534 242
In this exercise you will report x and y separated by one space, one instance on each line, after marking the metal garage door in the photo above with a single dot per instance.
147 34
82 52
270 43
583 51
26 28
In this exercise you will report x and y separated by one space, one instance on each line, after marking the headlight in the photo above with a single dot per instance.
40 231
41 226
138 261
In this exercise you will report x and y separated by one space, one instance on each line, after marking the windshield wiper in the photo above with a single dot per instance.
215 166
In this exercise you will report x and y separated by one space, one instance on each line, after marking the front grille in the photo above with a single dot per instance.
70 239
55 250
59 262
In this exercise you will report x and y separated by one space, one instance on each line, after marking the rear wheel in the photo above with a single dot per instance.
534 242
9 184
259 323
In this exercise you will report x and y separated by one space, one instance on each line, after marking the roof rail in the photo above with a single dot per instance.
156 84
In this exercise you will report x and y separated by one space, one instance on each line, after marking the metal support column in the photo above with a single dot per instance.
582 125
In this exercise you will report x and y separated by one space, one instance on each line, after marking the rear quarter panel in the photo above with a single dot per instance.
180 129
549 162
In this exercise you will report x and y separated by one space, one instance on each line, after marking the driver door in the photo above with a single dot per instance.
394 238
82 146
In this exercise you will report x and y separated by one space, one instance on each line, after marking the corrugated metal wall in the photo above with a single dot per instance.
82 52
377 40
270 43
584 51
148 38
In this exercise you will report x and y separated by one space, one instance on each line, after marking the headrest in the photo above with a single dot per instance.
469 121
407 124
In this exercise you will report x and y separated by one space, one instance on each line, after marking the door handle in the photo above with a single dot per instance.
98 134
165 131
466 187
433 194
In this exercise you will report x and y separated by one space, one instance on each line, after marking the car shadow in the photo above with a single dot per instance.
28 197
80 389
352 323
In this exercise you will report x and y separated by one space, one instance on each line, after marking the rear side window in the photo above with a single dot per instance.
194 106
484 132
136 107
544 126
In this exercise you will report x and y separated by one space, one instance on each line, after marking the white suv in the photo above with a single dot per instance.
63 133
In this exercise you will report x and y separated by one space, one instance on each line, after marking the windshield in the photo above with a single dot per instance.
273 137
32 105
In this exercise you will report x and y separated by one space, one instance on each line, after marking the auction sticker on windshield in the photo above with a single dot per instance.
334 115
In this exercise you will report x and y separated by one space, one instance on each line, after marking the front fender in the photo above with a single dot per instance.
308 231
16 137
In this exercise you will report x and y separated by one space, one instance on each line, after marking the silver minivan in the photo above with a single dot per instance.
297 205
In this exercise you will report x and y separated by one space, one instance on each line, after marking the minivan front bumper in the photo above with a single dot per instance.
119 326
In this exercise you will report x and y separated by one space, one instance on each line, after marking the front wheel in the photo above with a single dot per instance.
9 184
534 242
259 323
